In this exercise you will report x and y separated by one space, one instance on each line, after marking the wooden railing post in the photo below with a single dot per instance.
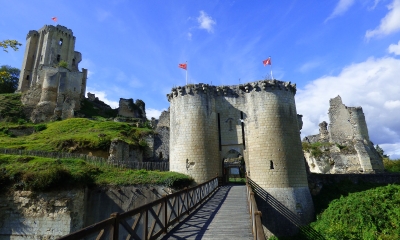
115 230
146 224
187 200
165 213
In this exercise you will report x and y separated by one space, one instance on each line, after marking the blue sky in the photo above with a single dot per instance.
132 49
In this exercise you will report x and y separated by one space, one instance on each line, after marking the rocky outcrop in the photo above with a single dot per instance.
37 215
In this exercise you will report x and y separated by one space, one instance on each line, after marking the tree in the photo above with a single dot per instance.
10 43
9 77
381 152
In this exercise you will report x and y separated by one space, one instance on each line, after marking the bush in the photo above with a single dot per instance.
371 214
40 127
63 64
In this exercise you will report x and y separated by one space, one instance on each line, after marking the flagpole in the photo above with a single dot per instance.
272 77
186 73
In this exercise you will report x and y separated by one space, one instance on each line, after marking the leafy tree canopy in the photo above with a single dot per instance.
14 44
9 77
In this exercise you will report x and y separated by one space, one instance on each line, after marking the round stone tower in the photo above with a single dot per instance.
194 133
259 122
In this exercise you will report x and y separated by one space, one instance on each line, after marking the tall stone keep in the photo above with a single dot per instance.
257 121
49 89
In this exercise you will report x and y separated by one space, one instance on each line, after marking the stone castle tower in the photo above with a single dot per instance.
257 121
51 90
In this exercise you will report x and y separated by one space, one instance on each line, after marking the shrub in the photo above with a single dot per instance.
63 64
371 214
40 127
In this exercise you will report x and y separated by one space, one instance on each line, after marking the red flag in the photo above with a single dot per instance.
183 65
54 19
267 61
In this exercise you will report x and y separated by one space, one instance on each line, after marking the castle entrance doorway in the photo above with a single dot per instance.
233 167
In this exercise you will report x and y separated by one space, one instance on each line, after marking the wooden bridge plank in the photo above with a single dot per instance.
224 216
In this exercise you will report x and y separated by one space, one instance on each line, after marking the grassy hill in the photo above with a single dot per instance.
44 174
78 135
71 135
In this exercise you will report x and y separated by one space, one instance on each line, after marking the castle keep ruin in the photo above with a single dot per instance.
49 90
257 121
346 147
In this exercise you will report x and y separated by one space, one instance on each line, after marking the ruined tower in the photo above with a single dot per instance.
347 147
257 121
51 89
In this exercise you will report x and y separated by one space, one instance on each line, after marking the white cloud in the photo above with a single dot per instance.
155 113
389 24
341 7
371 84
103 97
393 150
394 48
392 105
206 22
189 36
375 4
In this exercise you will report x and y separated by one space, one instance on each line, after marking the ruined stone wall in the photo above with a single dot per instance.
271 143
161 137
131 110
121 153
347 146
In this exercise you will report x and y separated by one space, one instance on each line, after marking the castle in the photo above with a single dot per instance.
258 121
50 80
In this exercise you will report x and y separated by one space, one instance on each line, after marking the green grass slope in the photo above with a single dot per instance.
72 135
44 174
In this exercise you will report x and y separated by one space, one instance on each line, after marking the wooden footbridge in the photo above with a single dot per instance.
207 211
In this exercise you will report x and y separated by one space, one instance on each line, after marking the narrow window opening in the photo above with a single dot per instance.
58 57
271 164
160 155
230 125
73 62
60 42
74 89
243 137
41 57
219 133
27 77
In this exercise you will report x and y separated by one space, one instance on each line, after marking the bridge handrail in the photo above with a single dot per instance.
150 223
256 224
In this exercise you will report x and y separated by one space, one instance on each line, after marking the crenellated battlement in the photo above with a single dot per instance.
61 29
233 90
